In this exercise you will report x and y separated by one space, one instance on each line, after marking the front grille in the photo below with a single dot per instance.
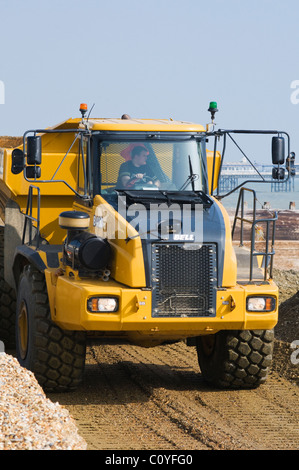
184 280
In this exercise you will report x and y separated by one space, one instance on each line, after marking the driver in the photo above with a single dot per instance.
136 170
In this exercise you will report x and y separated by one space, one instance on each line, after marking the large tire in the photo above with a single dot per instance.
55 356
236 359
7 304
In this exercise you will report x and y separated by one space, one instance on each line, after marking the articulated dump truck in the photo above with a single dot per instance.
114 229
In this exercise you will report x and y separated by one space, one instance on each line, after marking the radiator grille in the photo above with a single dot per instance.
184 280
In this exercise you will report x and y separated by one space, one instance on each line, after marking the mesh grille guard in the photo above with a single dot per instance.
184 280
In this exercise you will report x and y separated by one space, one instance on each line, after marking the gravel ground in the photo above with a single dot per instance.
28 419
287 328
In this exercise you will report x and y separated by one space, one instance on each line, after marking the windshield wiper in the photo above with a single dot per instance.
191 178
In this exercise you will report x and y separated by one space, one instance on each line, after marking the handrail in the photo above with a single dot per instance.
268 254
29 217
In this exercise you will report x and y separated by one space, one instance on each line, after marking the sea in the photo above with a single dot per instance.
275 196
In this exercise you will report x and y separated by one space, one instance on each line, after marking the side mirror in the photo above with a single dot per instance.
278 173
33 172
17 161
290 164
278 150
34 150
34 157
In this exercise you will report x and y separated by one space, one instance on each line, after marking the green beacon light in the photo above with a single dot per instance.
213 109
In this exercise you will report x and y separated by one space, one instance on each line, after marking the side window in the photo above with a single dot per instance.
111 160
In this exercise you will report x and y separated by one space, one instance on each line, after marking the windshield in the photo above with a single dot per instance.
172 165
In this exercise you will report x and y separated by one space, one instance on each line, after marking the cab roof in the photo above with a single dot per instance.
137 125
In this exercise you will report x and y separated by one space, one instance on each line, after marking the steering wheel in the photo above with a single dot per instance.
133 181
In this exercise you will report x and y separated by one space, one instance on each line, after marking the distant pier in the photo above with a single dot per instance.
233 172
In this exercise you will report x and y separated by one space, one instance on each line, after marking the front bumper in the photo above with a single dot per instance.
68 299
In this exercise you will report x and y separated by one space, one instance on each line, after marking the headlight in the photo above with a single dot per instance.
102 304
261 304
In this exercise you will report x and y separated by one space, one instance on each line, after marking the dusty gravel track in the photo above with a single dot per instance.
134 399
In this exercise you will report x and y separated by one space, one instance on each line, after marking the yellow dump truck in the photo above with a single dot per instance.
113 229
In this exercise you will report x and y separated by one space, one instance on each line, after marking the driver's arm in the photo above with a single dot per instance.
124 180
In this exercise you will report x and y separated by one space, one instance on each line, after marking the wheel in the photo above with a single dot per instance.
7 304
236 359
55 356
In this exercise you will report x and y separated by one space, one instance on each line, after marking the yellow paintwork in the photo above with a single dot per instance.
139 125
55 197
230 261
210 160
127 265
18 186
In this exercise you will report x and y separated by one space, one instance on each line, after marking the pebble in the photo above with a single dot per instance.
28 419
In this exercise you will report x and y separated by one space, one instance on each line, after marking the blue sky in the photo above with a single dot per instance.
150 59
